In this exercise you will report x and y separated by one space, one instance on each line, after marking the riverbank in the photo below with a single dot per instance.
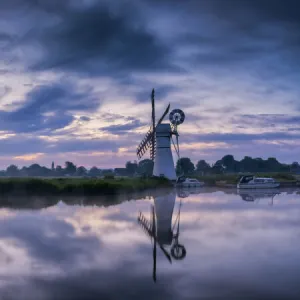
80 186
231 180
116 186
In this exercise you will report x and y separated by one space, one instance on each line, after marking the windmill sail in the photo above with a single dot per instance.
149 141
152 151
164 115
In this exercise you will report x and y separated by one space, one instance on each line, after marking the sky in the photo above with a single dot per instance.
76 78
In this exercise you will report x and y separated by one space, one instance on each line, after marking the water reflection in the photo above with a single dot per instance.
161 231
83 248
256 195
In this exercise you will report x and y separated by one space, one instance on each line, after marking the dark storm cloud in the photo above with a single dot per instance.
233 34
47 108
101 40
92 39
161 92
275 10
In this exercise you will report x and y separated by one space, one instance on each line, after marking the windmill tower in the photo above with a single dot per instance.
158 139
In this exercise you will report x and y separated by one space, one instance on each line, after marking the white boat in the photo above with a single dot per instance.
189 182
252 182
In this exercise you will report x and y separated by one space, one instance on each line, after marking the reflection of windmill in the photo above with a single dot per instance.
158 139
160 229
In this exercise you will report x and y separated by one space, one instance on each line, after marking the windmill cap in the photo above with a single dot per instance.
163 128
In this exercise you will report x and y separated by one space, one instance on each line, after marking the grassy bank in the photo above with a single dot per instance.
110 186
214 180
80 186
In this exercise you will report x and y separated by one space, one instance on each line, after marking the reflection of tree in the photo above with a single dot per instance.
176 250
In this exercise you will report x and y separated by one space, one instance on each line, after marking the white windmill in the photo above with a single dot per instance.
159 138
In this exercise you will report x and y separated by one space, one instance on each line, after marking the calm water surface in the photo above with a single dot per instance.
178 245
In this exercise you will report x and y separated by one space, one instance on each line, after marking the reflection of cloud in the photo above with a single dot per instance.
87 252
49 242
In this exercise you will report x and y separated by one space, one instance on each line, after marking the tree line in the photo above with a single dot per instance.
69 169
228 164
184 165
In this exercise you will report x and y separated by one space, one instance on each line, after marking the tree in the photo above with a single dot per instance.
12 170
70 168
247 164
218 167
202 166
145 167
34 170
131 168
94 171
59 170
295 167
184 166
272 164
81 171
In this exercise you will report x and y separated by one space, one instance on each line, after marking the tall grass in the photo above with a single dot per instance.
82 186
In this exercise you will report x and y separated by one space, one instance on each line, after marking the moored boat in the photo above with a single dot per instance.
252 182
189 182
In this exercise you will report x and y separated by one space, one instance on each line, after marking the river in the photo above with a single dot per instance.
193 244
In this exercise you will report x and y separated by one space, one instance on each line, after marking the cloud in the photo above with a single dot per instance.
266 121
233 36
47 108
92 39
22 144
162 91
5 90
123 128
60 247
85 118
242 137
232 66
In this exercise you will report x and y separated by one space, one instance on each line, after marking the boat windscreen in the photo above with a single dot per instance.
180 179
246 179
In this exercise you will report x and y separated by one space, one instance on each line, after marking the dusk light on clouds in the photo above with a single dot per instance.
76 78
